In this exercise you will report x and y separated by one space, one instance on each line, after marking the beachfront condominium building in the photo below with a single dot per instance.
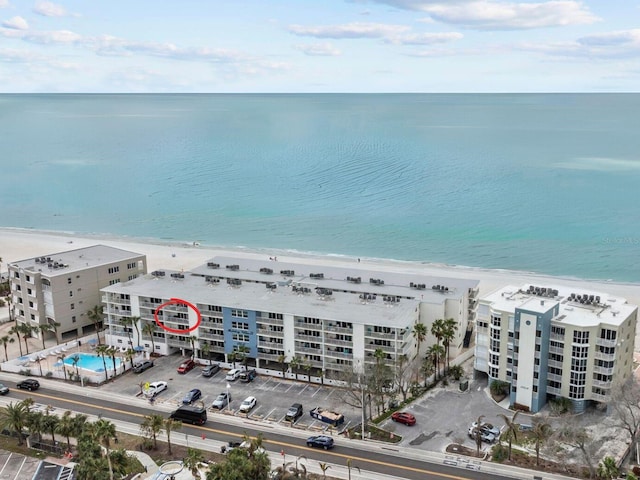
555 342
328 318
61 288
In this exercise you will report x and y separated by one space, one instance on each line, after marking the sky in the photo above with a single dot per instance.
294 46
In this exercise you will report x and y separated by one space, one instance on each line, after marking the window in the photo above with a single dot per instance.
495 320
31 304
33 317
580 336
73 319
69 280
131 266
131 277
607 334
113 270
73 306
71 293
18 288
29 291
19 299
16 275
240 325
240 337
557 331
239 313
214 308
28 278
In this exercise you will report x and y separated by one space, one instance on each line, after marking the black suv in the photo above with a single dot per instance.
248 376
294 412
29 384
141 367
211 370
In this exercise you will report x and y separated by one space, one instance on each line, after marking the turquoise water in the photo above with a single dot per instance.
536 182
91 362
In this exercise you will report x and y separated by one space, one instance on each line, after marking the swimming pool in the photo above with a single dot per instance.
89 361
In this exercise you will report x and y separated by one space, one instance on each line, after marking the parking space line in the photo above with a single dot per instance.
20 469
270 412
6 462
301 391
314 393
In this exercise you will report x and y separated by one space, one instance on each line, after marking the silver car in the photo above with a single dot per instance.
221 401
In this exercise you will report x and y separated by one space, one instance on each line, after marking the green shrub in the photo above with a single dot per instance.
499 453
498 387
456 372
561 405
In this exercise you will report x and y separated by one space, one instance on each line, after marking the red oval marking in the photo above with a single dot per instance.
178 301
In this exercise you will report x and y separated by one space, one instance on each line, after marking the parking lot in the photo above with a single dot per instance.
274 395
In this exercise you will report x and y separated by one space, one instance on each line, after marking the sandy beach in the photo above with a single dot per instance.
19 244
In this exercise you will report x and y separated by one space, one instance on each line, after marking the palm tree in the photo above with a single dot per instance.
66 427
192 461
104 432
50 425
448 332
152 427
15 331
306 366
324 467
75 359
171 425
96 316
38 360
512 428
282 360
35 423
60 357
26 330
44 328
436 329
428 368
205 349
103 350
476 433
127 323
295 364
5 341
129 354
149 329
540 433
434 352
55 326
135 320
111 352
193 339
419 332
14 417
607 469
349 460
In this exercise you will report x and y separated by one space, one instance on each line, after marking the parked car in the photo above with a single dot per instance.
141 367
187 366
487 428
248 376
484 435
247 404
295 411
320 441
404 417
3 389
155 388
221 401
232 374
211 370
29 384
191 396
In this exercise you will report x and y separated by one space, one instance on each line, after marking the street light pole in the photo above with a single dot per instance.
228 397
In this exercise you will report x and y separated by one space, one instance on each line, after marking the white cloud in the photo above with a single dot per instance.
425 38
319 50
349 30
9 55
49 9
607 45
55 37
16 23
4 3
492 15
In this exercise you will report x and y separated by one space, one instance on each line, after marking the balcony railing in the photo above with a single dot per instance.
603 370
603 342
601 384
609 357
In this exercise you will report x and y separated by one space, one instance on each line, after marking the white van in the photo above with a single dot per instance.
233 374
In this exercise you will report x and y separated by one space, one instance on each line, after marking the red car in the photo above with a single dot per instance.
404 417
186 366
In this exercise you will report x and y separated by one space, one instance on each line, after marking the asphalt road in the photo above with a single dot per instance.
379 459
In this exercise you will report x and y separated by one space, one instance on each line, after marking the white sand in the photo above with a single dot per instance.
19 244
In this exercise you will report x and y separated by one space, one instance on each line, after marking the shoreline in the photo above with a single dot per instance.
22 243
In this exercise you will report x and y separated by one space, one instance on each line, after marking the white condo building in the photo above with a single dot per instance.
327 317
551 342
61 287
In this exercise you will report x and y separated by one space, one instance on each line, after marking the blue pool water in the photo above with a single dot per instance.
91 362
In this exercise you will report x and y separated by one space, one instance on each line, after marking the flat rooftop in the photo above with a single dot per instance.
339 306
337 278
62 263
582 308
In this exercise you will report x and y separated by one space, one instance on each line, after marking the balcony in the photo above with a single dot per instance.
271 333
343 343
599 397
269 321
308 326
557 350
330 353
603 370
309 338
313 351
556 337
271 357
380 335
601 384
602 342
554 378
608 357
176 342
210 335
554 363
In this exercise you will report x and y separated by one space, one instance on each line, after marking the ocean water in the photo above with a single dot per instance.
545 183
